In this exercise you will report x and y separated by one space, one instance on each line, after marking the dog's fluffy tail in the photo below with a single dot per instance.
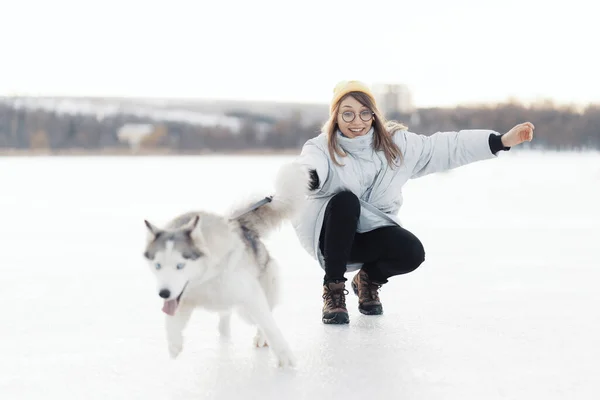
291 186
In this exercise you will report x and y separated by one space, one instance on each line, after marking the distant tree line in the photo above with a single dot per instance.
557 128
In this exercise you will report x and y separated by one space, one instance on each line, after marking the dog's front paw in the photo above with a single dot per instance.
285 359
175 347
260 340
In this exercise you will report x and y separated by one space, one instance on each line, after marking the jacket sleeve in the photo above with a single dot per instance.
444 150
317 162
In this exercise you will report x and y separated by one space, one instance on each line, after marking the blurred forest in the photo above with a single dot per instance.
47 126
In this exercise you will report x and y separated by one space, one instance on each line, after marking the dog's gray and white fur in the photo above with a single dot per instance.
219 263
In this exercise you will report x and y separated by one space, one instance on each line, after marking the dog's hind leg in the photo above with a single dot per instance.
269 280
260 340
225 324
257 306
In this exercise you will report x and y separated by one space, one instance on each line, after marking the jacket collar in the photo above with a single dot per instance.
357 144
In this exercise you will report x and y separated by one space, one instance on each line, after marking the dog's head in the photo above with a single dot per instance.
176 257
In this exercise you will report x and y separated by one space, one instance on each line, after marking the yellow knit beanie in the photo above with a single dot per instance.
345 87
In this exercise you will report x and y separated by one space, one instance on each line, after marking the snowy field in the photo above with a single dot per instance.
506 305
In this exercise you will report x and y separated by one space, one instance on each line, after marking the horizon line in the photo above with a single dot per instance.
507 100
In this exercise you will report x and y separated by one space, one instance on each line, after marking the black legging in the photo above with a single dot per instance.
384 252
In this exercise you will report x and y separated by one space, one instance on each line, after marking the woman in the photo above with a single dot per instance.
359 164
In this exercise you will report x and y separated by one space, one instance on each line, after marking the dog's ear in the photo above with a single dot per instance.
191 225
153 231
194 230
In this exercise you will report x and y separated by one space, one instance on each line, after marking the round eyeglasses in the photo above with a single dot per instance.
365 115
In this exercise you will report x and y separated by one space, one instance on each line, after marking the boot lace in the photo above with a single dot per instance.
370 288
337 298
373 290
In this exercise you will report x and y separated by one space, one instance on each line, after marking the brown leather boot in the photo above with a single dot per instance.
368 295
334 303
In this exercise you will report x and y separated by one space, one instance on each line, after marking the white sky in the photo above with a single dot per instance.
446 51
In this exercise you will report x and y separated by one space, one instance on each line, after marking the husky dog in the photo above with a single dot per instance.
219 263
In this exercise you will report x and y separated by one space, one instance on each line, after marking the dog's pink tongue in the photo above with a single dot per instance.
170 306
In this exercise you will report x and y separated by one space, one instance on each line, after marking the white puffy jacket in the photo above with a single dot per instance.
379 187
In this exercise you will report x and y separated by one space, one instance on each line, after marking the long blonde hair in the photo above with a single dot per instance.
383 131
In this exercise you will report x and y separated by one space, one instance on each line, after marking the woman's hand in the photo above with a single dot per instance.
519 134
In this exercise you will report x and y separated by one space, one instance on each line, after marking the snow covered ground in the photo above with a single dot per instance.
504 307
